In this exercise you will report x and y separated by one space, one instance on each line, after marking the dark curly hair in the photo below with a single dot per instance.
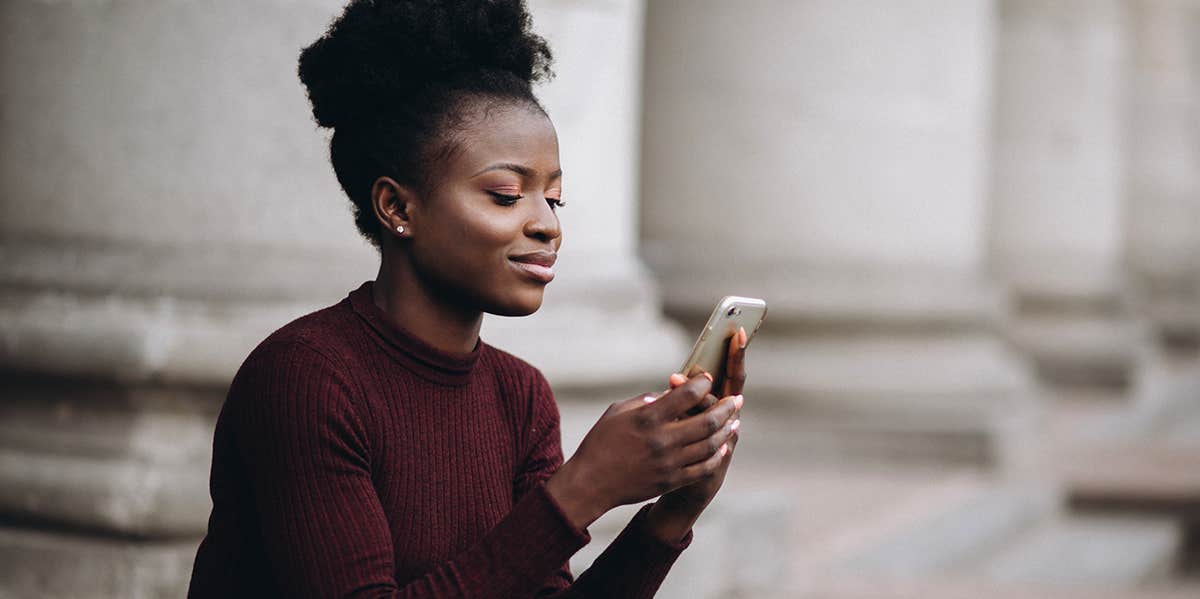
394 79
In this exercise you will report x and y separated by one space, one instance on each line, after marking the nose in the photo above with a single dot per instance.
543 224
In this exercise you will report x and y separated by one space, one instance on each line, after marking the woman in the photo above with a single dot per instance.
377 447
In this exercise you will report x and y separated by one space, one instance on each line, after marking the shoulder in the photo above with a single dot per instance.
513 373
305 357
319 336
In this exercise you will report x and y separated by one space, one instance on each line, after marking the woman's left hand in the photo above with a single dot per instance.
674 514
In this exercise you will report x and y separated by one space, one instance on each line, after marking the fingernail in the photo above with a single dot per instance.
742 337
724 449
676 379
736 425
709 376
738 400
649 398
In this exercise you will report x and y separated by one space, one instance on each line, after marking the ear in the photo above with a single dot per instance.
393 204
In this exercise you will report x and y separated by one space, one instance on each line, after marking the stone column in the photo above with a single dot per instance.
1058 187
168 202
600 334
1163 220
1149 449
831 157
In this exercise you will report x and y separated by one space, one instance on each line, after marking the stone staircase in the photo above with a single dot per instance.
1142 456
961 536
842 532
989 535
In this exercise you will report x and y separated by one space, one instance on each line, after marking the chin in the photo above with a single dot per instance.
522 303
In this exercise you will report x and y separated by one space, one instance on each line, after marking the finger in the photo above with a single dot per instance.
698 427
731 352
702 470
704 404
676 380
677 401
738 412
632 403
650 397
703 449
735 364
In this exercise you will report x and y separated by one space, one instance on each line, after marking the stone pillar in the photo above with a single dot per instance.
1149 449
1058 187
168 202
1163 220
600 333
831 157
1164 205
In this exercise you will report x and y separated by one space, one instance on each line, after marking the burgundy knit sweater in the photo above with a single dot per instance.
351 459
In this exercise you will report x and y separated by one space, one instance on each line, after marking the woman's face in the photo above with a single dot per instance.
486 235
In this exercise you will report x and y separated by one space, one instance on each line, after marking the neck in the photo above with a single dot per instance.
434 320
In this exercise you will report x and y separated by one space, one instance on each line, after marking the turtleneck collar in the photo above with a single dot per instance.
422 358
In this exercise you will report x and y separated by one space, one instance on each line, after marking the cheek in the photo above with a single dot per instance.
486 230
475 241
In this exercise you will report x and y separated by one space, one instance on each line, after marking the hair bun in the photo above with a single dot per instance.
378 53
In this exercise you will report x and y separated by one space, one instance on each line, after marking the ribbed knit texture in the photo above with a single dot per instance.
351 459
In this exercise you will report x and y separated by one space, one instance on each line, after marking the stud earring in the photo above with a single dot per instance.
400 229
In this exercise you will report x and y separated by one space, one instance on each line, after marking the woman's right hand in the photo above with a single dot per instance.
641 448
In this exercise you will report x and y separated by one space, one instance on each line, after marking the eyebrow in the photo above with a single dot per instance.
522 170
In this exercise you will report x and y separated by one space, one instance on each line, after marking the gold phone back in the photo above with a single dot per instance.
730 313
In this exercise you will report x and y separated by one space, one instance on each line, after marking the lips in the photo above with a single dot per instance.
537 265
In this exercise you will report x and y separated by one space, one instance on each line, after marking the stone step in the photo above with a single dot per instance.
959 373
1015 536
1082 348
32 566
956 398
1144 475
941 589
948 537
888 438
1142 455
1092 551
1184 427
130 462
736 545
1167 399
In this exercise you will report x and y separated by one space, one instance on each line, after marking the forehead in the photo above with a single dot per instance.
506 133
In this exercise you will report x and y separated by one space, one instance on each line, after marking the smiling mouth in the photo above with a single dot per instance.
538 266
538 272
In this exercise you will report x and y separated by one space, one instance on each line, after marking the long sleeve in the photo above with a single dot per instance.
634 565
325 533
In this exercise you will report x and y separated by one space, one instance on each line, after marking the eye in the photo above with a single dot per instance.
505 199
555 202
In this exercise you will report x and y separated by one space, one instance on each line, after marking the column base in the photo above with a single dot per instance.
876 364
34 563
1169 300
105 458
1072 315
179 315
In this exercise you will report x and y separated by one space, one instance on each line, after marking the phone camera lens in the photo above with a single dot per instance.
734 311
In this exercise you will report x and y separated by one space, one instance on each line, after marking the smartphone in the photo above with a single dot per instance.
709 352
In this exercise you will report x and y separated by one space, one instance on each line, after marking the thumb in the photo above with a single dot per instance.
634 402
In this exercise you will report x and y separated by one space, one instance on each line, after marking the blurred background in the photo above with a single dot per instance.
976 222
